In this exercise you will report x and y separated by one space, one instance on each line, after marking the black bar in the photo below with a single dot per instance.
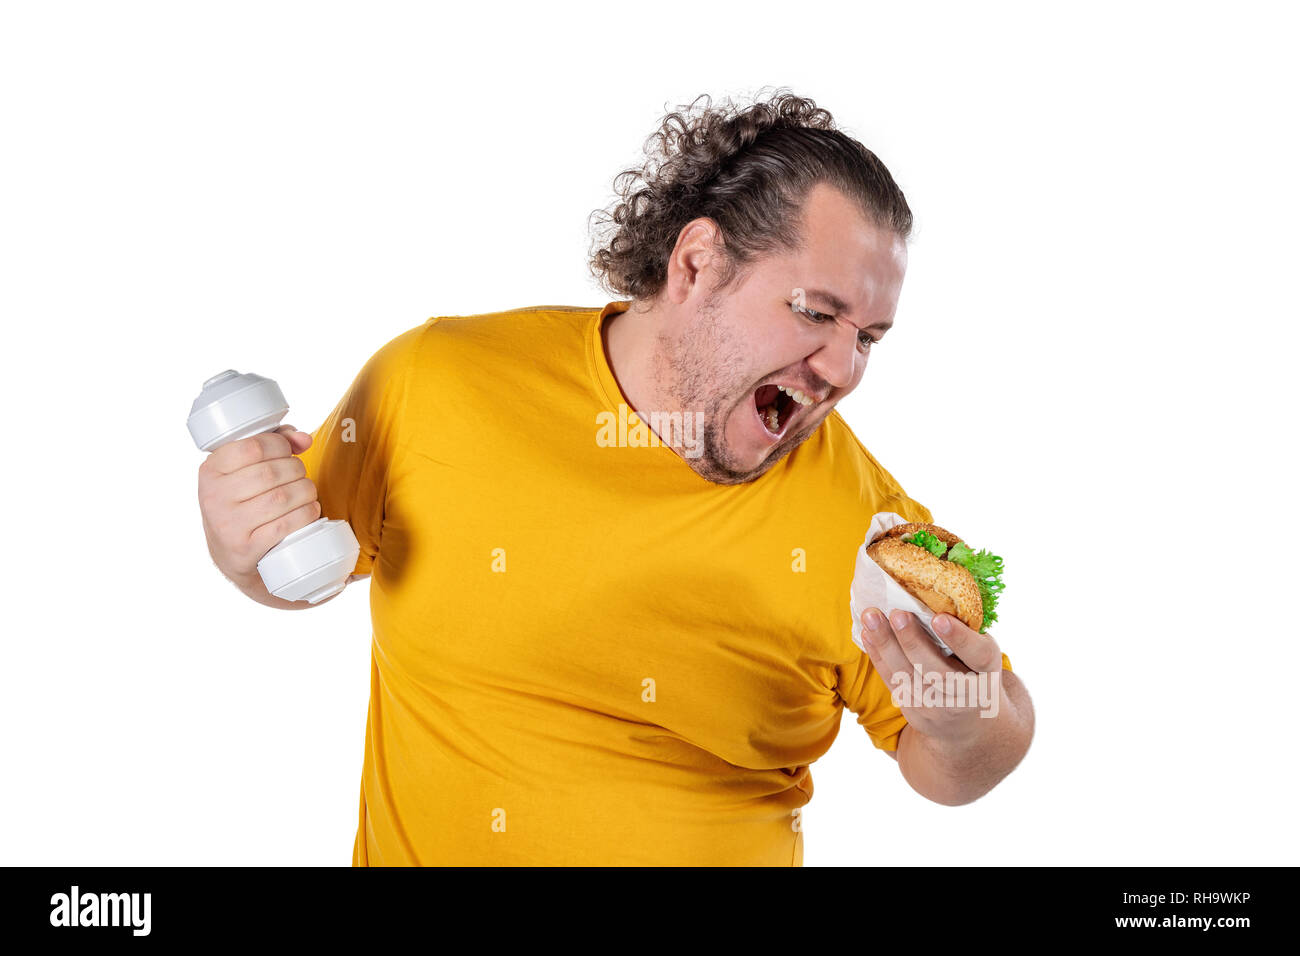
934 906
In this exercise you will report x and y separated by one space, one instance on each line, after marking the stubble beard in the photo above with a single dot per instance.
689 373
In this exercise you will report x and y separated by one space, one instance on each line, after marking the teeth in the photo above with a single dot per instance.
797 395
773 419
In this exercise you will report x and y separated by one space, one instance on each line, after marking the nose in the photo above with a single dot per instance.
836 361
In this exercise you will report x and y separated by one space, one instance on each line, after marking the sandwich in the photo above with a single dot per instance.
939 570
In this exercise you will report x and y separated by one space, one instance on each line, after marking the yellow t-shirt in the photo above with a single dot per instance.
583 654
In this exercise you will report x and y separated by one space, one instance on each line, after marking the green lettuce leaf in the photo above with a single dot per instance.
924 539
987 570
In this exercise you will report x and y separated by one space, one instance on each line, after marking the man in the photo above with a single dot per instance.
611 548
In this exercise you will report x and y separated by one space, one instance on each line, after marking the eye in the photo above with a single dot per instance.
817 317
865 340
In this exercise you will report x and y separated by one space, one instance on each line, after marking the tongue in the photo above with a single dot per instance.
765 401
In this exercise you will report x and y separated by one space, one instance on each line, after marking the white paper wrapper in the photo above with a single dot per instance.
872 587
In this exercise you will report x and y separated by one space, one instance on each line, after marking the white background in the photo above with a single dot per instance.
1091 373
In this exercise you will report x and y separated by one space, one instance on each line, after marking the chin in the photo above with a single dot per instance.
748 459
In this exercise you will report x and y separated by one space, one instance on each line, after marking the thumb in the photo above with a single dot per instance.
298 441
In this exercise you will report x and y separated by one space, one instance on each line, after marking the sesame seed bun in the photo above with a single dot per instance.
942 586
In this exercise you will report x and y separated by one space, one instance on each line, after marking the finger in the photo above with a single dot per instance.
278 501
917 643
239 454
248 483
883 648
979 652
267 536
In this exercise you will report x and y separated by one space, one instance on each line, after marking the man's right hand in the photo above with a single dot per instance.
252 494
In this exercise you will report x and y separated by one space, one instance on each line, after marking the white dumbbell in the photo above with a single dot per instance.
312 563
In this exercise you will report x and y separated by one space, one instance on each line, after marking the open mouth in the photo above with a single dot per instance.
775 408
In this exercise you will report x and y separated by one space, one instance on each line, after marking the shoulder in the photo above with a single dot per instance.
466 342
488 359
508 334
856 477
518 321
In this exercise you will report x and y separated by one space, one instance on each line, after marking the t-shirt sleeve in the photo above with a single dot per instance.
859 684
353 451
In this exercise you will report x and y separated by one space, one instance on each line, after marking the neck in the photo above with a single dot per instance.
632 341
629 347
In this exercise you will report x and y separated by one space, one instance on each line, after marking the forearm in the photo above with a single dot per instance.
957 773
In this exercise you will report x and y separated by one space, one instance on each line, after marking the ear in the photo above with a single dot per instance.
694 265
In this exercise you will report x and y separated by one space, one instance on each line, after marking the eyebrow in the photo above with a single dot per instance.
837 304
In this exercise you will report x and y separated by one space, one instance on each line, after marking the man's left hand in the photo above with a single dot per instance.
947 698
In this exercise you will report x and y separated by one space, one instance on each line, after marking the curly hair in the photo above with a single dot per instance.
749 170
